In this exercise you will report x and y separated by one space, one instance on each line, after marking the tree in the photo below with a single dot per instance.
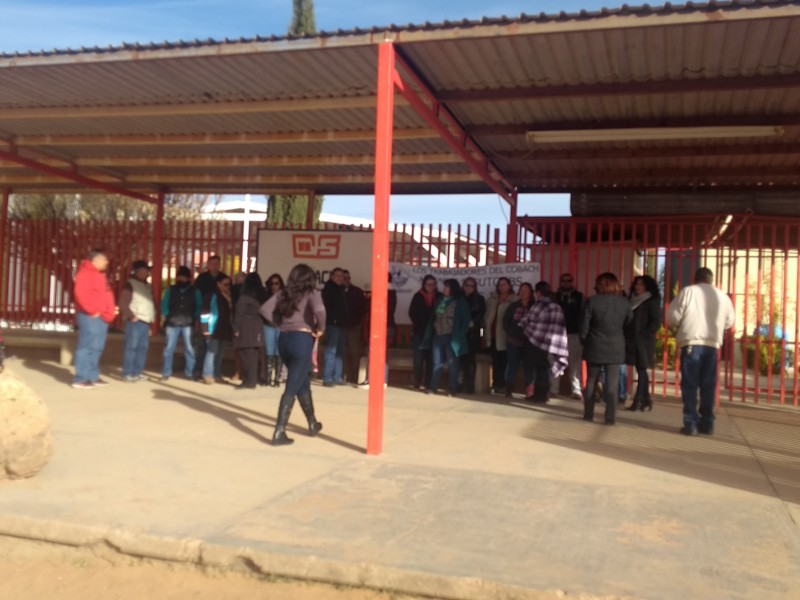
103 207
284 209
303 21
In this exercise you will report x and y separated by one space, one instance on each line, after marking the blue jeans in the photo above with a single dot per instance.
515 358
622 391
92 333
271 335
137 341
295 348
443 353
212 363
334 354
172 335
698 371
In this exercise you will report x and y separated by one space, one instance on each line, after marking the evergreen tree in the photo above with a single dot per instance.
303 21
291 210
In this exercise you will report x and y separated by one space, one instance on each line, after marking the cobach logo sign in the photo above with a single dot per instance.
316 245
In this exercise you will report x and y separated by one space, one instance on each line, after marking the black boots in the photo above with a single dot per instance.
279 438
307 404
276 371
637 404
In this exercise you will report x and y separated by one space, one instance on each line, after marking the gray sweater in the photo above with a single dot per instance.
309 316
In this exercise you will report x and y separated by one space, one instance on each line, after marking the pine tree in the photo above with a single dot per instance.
303 21
291 210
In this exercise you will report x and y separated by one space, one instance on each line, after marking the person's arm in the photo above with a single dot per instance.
508 318
676 309
481 311
125 298
730 316
586 322
320 314
653 316
165 303
267 310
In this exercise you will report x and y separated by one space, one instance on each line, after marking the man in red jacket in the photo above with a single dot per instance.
95 309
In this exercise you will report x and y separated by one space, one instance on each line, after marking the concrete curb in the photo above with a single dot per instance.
203 555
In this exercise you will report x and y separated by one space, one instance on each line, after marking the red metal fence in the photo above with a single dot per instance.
755 260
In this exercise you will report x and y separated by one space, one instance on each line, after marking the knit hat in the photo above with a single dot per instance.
184 272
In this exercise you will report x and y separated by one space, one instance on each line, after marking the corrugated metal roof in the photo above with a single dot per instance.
721 63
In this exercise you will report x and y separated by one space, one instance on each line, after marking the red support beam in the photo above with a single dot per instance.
511 235
460 142
312 204
158 257
3 240
380 246
72 176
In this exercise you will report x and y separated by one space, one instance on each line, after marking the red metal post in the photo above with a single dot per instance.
312 204
4 257
158 257
511 236
380 245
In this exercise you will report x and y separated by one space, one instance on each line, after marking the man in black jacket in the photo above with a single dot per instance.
206 284
335 301
356 313
571 302
180 308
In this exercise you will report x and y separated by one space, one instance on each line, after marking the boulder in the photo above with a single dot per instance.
26 443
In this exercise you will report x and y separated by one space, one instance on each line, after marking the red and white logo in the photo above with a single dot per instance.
316 245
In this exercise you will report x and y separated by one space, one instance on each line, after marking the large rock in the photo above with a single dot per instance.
26 443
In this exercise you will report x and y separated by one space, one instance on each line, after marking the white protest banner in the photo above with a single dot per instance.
407 280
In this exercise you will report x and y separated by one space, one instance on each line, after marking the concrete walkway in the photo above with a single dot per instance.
472 497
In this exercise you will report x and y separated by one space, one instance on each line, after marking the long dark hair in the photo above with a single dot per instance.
268 284
252 287
455 288
650 285
302 281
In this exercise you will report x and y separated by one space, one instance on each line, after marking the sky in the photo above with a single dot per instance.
33 25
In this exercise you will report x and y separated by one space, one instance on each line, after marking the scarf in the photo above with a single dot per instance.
638 300
428 298
443 305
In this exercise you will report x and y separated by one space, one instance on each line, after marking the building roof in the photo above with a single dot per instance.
284 114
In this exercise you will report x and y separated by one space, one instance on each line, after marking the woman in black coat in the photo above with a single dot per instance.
247 328
602 334
640 336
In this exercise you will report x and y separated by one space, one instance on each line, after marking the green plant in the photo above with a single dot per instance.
770 355
665 338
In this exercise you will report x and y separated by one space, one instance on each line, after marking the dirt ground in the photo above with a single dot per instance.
36 571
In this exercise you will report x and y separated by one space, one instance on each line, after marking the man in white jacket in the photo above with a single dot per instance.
702 314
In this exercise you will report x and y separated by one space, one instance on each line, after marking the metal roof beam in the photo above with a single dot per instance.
255 161
300 137
629 88
189 109
62 174
756 150
305 182
762 173
499 129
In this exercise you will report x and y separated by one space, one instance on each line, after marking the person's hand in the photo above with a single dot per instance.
316 334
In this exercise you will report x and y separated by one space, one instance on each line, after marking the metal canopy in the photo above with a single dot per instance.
296 115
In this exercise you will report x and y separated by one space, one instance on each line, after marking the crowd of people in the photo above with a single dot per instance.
274 328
